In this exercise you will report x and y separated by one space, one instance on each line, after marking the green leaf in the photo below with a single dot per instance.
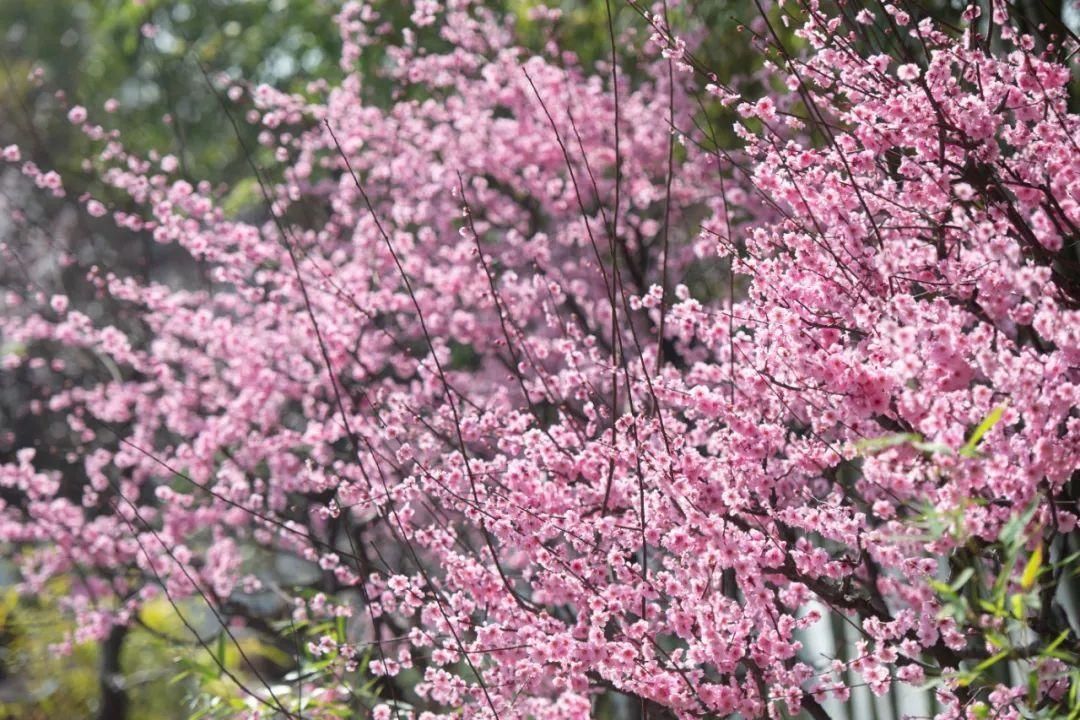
1051 650
965 679
996 639
872 445
1057 641
990 662
1012 533
1031 570
962 578
340 629
1017 605
179 676
932 448
984 427
221 653
942 589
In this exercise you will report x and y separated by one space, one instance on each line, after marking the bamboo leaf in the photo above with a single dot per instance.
990 662
932 448
1031 570
872 445
984 427
1057 641
962 578
221 654
1017 603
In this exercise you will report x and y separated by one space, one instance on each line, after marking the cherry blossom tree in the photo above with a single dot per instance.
595 387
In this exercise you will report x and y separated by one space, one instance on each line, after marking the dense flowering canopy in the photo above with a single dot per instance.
563 391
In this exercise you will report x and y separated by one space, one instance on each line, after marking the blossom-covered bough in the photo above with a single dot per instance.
571 392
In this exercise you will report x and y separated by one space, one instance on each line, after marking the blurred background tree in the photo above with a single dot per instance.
134 65
94 50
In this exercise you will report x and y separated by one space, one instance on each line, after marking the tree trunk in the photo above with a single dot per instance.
114 699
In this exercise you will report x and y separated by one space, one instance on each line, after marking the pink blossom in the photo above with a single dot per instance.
908 72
